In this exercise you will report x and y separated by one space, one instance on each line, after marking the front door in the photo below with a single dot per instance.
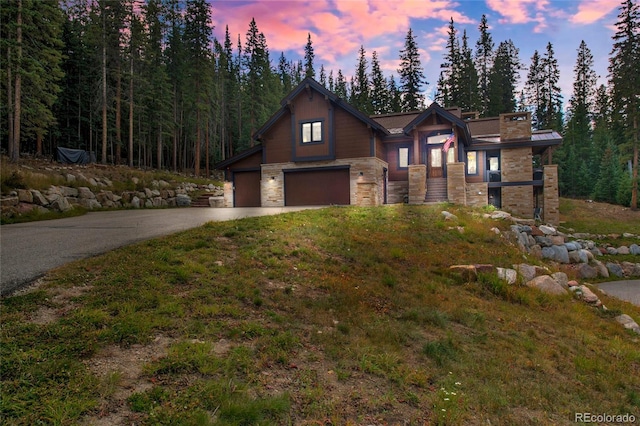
435 162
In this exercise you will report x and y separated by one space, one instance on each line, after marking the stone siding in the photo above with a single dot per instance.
228 194
514 126
477 194
417 183
516 165
518 200
397 190
365 174
456 183
551 208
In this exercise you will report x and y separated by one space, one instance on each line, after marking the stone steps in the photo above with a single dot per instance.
202 200
436 190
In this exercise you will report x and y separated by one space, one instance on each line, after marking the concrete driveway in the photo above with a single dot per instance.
29 250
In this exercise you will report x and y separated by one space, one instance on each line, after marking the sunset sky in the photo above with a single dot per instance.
339 27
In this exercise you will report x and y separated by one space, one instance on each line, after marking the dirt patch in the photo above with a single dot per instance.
59 303
120 371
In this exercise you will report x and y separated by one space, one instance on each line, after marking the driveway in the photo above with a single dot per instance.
29 250
628 290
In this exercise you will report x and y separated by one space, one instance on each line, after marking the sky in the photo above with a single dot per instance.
339 27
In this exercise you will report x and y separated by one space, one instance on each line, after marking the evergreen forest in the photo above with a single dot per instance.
146 84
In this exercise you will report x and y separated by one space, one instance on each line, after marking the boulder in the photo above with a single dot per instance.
70 178
536 251
546 284
60 203
602 270
560 254
25 196
467 272
547 230
615 269
528 272
509 275
135 202
38 198
500 215
183 200
634 249
84 192
574 257
572 246
628 323
561 278
629 269
623 250
556 240
90 203
588 296
585 271
543 241
612 250
68 191
449 216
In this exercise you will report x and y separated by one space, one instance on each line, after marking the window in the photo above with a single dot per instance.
451 155
472 162
403 158
312 132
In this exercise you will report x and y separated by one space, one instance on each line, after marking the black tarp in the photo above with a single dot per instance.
75 156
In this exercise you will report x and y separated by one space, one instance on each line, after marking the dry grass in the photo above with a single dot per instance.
333 316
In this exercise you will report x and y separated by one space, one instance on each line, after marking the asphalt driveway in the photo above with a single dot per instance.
29 250
628 290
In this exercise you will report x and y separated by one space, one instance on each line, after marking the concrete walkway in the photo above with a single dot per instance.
29 250
628 290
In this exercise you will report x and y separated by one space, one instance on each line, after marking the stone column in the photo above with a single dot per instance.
456 184
551 210
417 183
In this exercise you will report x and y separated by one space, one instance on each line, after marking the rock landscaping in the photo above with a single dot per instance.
576 253
93 193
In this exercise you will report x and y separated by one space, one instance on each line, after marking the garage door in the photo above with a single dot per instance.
317 187
246 189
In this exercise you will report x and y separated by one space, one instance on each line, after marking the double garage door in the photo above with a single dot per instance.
308 187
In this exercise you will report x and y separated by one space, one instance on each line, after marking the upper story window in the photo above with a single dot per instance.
312 132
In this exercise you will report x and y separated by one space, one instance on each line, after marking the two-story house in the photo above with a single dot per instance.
319 150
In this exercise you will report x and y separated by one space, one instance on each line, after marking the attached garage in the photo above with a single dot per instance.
246 186
317 186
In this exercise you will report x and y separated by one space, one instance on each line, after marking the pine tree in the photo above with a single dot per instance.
284 72
503 79
341 86
411 75
449 90
469 98
606 189
624 81
578 132
197 35
484 59
534 88
395 96
551 90
360 97
379 89
31 70
323 76
308 58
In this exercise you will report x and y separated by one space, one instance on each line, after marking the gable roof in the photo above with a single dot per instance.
310 84
434 108
240 156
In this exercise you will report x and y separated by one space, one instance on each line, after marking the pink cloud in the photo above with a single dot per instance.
590 11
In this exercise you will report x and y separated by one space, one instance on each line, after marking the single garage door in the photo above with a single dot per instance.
316 187
246 189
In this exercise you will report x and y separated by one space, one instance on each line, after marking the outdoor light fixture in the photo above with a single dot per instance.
273 178
361 173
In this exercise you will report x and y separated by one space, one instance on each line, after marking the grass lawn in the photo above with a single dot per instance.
337 316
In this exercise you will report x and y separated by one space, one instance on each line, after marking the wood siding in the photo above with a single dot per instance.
277 142
352 136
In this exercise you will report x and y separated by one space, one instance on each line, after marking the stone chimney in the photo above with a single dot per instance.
515 126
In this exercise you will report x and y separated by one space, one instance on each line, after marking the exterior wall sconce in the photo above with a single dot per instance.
361 174
273 178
